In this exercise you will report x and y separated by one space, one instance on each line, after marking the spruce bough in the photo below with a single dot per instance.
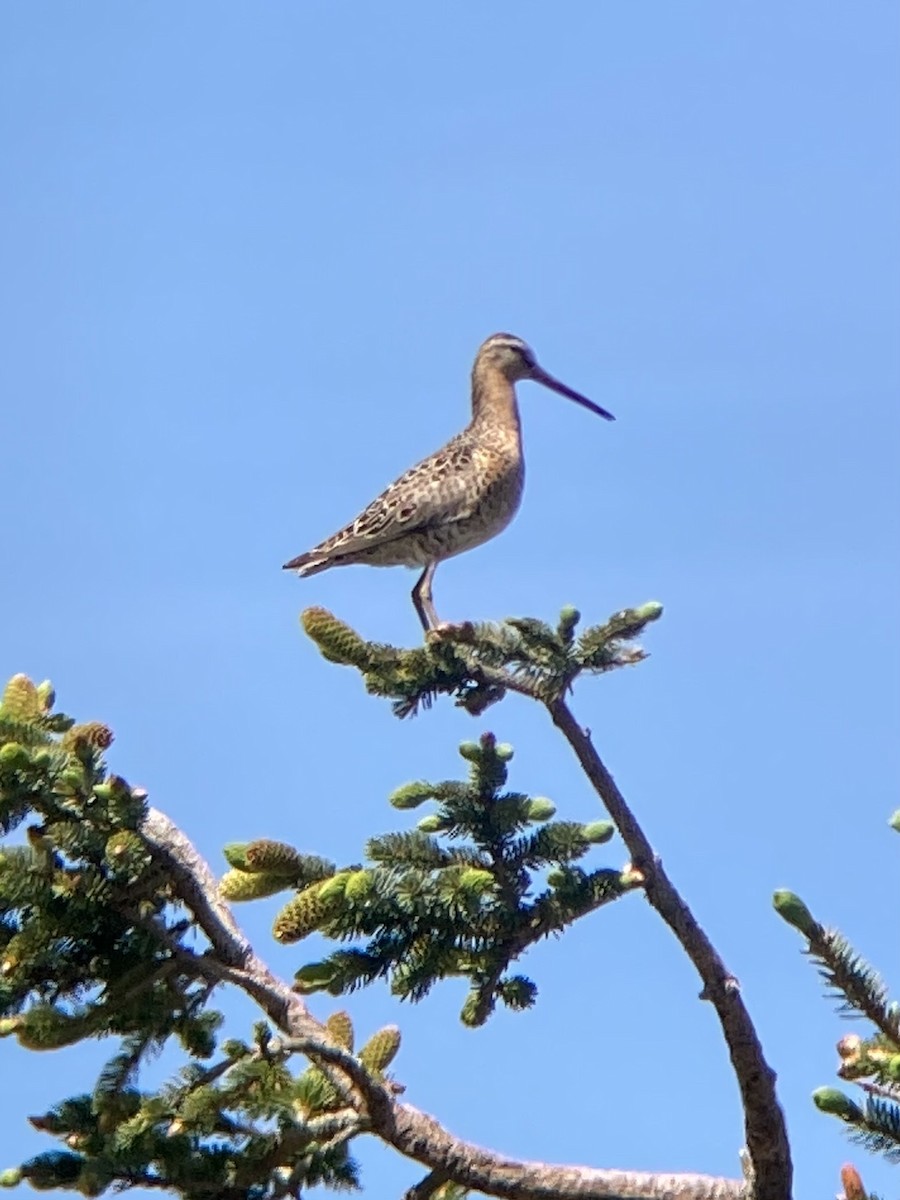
480 879
482 875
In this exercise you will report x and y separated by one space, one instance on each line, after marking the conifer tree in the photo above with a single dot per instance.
112 926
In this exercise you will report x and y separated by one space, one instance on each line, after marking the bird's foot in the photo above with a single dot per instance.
448 631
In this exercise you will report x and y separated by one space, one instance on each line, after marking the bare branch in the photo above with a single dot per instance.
765 1130
196 887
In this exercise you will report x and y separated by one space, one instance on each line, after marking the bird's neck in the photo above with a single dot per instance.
494 400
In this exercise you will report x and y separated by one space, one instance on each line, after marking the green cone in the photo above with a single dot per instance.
300 916
789 906
359 886
381 1049
598 832
238 886
540 809
236 855
337 641
411 795
13 756
340 1027
833 1101
21 700
277 857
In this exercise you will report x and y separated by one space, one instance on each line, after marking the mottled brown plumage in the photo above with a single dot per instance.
459 497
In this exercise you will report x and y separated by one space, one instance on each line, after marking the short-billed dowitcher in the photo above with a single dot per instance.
457 498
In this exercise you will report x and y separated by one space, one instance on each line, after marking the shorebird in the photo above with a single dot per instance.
459 497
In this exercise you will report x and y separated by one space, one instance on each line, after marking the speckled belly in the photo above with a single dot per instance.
495 506
495 509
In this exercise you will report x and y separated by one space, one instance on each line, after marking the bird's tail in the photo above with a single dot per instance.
308 564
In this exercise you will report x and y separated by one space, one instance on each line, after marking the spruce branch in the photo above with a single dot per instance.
454 896
849 978
875 1125
880 1132
493 658
410 1131
477 664
531 660
873 1063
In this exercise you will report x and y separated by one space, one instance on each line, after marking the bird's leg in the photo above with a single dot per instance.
421 598
436 629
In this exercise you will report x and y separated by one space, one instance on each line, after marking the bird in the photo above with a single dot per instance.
457 498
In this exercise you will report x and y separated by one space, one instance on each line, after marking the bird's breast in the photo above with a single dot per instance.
496 495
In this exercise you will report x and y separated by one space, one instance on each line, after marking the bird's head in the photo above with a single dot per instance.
515 360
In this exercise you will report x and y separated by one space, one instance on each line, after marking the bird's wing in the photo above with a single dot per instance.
437 490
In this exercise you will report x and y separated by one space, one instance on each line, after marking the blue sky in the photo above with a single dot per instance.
249 252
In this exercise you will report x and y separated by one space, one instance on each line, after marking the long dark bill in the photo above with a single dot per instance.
539 375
